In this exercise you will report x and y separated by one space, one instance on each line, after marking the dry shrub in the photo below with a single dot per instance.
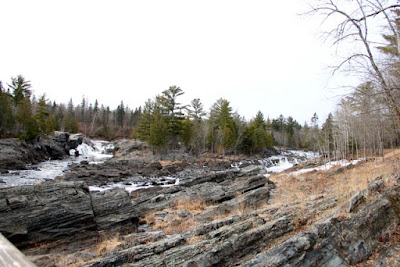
180 226
176 224
68 260
193 206
107 245
195 239
150 217
298 190
241 209
169 162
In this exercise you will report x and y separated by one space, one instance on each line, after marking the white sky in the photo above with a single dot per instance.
259 55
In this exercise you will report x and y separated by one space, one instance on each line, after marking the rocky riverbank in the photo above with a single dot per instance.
217 212
16 154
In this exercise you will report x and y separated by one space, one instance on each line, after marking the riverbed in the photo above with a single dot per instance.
94 152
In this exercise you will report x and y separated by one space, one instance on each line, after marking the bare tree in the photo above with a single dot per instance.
355 21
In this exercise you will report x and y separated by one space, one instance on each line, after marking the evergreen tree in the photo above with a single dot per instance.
158 129
143 126
120 114
187 132
21 89
255 136
196 109
173 110
7 120
327 136
27 124
223 132
44 120
196 113
70 121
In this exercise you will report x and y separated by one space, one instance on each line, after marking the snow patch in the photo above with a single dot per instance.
327 166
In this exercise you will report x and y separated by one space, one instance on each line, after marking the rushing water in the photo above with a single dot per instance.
95 152
131 186
286 160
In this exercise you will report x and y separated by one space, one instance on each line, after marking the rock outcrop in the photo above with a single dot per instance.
15 154
209 217
35 213
336 241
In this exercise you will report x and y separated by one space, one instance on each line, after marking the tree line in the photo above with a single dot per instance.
166 123
163 122
367 120
24 116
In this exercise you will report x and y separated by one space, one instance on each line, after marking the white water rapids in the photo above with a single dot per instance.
96 152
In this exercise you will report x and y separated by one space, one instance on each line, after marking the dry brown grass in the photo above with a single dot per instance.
181 226
177 224
169 162
192 206
342 185
195 239
299 190
107 244
71 260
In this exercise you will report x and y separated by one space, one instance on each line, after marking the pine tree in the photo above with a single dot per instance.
21 89
143 127
196 113
173 111
28 128
120 114
255 136
223 132
70 121
327 136
44 120
187 132
7 120
158 129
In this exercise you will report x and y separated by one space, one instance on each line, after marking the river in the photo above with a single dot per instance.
97 152
94 151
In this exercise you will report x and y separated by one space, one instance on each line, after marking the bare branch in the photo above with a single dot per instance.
382 10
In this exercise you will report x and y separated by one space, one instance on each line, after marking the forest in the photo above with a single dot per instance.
365 122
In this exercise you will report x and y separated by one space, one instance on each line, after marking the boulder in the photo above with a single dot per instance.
113 209
48 146
36 213
75 140
336 241
14 154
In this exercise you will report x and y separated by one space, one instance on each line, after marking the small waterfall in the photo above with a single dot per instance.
94 151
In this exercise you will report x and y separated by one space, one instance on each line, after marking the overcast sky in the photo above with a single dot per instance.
259 55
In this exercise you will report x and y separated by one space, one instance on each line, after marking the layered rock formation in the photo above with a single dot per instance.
15 154
234 217
36 213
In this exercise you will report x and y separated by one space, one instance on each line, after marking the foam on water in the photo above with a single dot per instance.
131 186
95 153
286 160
